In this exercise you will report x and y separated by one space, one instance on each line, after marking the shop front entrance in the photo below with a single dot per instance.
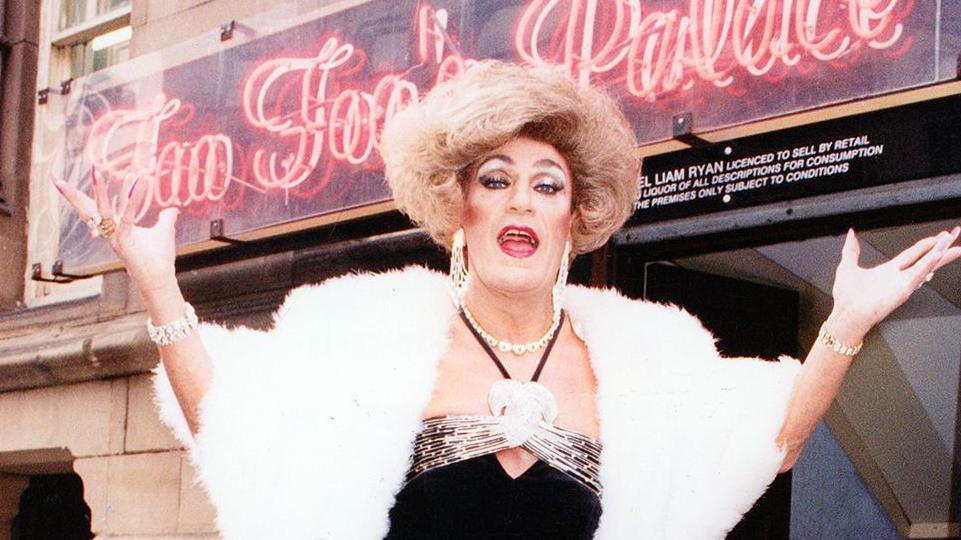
748 319
884 461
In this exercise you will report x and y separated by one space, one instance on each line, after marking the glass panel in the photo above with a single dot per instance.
75 12
100 53
111 48
72 13
103 6
111 55
950 49
47 212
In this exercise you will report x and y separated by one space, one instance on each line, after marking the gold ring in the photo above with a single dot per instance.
106 227
94 224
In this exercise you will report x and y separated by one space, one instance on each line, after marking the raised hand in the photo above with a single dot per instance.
865 296
148 253
862 298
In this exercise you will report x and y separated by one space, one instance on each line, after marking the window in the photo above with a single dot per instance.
102 51
77 12
94 34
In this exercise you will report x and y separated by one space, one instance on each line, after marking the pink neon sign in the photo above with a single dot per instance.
306 126
653 53
303 121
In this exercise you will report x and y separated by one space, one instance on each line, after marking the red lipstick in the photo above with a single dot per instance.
518 241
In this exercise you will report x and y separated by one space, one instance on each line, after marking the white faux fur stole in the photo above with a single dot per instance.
307 429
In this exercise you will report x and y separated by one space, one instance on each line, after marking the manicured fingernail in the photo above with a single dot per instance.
56 183
132 186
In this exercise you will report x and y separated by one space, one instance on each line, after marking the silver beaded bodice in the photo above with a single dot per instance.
522 416
450 439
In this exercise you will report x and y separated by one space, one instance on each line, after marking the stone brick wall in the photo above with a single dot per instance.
161 23
137 480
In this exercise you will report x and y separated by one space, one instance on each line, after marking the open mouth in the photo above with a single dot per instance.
518 241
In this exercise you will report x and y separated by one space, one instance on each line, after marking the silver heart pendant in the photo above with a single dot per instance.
520 408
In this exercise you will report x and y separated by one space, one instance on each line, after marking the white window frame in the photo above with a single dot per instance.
93 26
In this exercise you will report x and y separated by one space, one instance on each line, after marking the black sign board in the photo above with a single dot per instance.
908 142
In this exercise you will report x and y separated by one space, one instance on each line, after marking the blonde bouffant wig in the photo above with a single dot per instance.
430 147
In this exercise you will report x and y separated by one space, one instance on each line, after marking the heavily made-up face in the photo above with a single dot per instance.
517 217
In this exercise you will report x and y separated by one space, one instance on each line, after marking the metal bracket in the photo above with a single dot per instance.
43 95
682 130
227 30
57 270
59 276
217 232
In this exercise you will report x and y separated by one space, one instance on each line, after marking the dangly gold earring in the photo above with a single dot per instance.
557 292
459 277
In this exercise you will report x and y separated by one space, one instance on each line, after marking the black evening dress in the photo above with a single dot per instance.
476 499
457 489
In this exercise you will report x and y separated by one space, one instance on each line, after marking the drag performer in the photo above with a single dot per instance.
495 401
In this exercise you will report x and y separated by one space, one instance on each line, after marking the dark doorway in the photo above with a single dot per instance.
52 508
749 319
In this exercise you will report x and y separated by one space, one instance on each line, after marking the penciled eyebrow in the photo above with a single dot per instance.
495 158
545 163
548 163
551 164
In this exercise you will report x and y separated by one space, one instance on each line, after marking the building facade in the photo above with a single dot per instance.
766 128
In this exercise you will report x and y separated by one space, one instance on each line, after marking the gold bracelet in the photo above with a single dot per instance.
835 345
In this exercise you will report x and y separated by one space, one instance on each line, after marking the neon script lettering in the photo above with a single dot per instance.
317 116
654 53
178 173
288 98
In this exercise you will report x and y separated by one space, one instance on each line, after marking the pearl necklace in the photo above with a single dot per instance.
506 346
